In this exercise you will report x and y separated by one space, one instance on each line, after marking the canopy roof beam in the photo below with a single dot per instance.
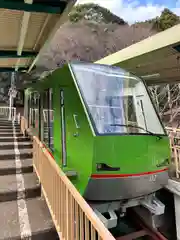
13 54
23 32
35 7
10 69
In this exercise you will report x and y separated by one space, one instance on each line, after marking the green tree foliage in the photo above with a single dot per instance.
93 12
166 20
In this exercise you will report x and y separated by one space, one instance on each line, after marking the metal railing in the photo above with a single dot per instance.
8 113
74 219
45 114
51 115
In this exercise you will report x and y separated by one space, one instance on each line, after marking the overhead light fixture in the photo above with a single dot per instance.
156 75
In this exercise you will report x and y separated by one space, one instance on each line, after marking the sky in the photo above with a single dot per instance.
137 10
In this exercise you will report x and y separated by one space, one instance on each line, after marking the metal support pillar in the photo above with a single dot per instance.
12 94
10 107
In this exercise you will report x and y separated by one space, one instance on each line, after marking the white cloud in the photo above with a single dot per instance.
176 11
132 10
140 13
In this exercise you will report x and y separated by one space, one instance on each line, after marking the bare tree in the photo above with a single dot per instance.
90 41
167 100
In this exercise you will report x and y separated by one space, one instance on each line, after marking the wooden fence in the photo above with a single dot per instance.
174 138
24 125
73 217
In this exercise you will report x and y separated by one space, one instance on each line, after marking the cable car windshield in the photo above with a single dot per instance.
116 101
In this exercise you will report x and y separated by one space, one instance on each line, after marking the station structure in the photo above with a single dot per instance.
32 205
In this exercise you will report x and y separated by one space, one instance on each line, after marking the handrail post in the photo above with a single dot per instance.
10 107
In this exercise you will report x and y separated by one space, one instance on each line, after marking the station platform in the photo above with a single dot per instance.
24 213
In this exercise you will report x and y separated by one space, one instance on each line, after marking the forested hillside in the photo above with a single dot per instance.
93 12
92 32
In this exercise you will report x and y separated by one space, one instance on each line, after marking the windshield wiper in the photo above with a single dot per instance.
135 126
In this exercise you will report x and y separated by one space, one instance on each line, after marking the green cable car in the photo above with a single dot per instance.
101 127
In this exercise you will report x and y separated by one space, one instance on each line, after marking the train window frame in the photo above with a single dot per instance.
49 108
31 109
91 120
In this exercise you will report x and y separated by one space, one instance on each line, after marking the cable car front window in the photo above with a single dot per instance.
117 101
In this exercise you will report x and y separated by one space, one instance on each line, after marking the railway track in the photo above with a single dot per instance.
144 231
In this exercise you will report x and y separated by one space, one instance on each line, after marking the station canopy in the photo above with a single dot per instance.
156 59
26 28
